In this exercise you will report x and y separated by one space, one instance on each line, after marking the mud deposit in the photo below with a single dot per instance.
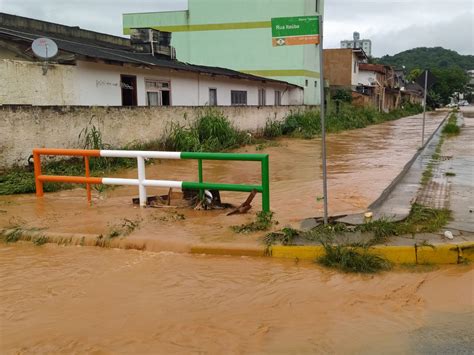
90 300
362 163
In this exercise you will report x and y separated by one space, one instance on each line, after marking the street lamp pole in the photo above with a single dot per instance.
323 123
424 109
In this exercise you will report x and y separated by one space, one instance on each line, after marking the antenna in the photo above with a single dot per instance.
44 49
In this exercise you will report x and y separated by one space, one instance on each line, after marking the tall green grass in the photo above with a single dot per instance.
307 124
212 132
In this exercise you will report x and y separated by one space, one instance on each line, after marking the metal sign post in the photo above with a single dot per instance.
424 109
304 30
323 123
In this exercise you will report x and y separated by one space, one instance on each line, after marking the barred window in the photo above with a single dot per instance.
238 98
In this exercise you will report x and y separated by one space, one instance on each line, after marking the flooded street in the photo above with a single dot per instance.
90 300
361 164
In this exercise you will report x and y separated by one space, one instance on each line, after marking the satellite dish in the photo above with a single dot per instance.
44 48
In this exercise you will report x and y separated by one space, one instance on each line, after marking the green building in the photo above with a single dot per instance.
237 34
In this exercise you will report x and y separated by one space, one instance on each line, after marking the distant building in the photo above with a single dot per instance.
356 42
341 67
237 34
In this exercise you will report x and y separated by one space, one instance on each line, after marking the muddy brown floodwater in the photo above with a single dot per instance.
362 163
76 300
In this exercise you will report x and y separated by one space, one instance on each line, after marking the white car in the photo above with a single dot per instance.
463 103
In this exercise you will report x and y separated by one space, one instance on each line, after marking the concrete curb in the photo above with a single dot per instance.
441 254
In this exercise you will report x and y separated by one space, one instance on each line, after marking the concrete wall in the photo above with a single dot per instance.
24 128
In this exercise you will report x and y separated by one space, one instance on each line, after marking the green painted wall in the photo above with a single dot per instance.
236 34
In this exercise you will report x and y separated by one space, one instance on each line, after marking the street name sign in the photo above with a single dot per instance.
295 31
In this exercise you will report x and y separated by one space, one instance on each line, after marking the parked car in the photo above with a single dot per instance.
463 103
452 105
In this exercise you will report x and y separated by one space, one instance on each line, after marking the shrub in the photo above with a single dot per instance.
272 129
349 259
451 129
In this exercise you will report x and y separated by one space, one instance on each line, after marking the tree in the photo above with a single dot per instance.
449 81
414 74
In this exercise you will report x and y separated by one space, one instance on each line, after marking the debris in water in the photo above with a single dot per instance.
246 206
449 235
149 200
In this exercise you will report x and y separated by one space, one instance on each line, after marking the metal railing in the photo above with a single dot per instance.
142 182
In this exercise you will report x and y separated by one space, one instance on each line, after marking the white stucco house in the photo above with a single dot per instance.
95 69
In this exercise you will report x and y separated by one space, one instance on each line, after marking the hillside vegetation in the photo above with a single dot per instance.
433 58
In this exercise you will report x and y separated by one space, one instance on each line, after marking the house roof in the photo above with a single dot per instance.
116 52
379 68
414 88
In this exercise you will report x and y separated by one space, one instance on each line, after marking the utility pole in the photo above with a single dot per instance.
424 109
323 123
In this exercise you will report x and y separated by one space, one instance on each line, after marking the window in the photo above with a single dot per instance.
355 65
212 97
277 98
238 98
306 82
128 85
262 97
315 84
317 6
157 93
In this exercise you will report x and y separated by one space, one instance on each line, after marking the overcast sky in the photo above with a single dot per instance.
393 26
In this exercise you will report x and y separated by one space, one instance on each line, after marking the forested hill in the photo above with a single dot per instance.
436 57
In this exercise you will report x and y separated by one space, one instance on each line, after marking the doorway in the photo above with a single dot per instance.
128 84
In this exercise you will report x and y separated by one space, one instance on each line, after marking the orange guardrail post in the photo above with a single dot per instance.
37 165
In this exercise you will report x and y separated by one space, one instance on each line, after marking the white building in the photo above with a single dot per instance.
93 69
356 42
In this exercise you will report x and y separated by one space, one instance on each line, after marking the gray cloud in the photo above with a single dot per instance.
393 26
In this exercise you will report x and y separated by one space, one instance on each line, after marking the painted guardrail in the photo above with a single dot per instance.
142 182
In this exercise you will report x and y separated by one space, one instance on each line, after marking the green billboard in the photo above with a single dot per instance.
293 31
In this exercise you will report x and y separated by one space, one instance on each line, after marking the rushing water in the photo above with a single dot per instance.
362 163
89 300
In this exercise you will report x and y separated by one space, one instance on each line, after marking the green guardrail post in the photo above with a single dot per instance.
265 184
201 178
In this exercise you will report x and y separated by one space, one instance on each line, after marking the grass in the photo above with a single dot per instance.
307 124
356 257
124 229
41 240
286 236
352 260
212 132
451 128
16 232
382 230
263 222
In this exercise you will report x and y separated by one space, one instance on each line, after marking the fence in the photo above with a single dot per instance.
141 180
